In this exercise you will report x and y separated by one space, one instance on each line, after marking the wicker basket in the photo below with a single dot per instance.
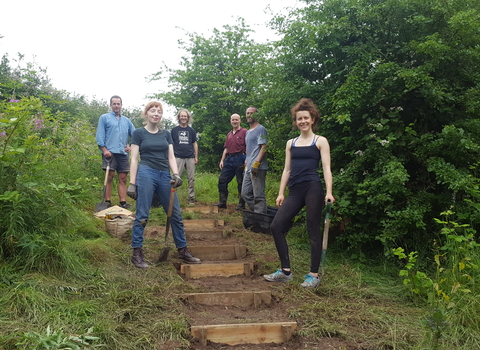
119 226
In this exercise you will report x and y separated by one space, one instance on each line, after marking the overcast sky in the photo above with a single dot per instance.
103 47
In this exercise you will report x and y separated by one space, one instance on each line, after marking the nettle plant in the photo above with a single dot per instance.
456 269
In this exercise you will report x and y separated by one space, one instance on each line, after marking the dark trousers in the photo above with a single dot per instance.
232 166
305 194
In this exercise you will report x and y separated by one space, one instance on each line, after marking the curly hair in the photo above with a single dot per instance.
305 104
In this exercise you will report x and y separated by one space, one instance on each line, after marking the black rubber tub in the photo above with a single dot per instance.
260 223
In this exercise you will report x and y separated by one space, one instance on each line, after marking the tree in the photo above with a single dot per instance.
398 83
220 75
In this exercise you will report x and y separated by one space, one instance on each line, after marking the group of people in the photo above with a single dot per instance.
157 153
152 159
244 156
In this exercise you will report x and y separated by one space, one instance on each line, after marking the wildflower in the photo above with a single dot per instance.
3 134
383 142
14 101
37 124
360 153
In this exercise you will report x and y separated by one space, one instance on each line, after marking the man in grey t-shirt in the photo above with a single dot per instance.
253 187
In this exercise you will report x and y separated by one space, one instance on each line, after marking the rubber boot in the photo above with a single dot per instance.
223 201
241 204
137 259
185 255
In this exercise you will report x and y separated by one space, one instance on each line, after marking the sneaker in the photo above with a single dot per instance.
310 281
125 206
278 276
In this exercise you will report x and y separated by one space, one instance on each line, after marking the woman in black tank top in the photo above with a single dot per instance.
300 173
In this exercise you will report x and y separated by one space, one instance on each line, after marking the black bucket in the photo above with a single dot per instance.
258 222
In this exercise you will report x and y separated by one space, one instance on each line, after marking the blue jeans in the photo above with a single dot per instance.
149 181
253 191
232 166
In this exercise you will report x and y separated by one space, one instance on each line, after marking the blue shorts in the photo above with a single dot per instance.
118 162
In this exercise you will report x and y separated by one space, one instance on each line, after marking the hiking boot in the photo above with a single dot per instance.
278 276
223 201
310 282
241 205
185 255
125 205
137 259
191 201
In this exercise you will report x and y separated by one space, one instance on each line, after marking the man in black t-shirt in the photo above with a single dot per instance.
186 150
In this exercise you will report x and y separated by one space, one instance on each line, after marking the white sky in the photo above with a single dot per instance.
102 48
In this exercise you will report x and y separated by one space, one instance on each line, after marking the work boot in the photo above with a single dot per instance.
185 255
223 201
241 205
137 259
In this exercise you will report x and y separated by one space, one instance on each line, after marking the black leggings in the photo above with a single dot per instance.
309 194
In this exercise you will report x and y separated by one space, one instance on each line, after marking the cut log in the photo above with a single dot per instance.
205 234
216 253
203 224
253 333
225 270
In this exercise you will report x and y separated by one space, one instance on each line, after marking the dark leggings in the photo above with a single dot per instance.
309 194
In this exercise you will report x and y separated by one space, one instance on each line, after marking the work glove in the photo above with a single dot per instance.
176 181
255 167
132 191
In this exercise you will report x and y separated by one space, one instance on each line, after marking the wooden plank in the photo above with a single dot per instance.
224 270
215 253
204 209
203 224
250 333
236 299
205 234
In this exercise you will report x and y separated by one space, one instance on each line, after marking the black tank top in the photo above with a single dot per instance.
304 163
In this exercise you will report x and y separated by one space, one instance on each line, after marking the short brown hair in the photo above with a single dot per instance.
306 104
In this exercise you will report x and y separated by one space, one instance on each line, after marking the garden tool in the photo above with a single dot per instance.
104 205
164 253
325 235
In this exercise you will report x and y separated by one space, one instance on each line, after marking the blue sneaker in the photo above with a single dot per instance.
310 281
278 276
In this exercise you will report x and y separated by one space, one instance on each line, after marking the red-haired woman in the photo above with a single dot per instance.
152 175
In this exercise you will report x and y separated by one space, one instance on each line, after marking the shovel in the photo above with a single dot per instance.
164 253
325 235
104 205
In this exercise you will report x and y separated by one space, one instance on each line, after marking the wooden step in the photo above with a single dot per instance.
188 224
237 299
215 253
205 234
204 209
253 333
224 270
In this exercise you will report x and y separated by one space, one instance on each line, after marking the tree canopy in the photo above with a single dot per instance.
398 85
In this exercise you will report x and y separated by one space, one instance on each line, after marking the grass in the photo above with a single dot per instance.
127 308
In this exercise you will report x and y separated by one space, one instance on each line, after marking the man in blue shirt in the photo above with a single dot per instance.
113 131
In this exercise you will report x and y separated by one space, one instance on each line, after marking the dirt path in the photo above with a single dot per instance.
279 307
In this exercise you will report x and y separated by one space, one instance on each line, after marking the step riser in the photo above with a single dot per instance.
218 270
255 333
217 253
